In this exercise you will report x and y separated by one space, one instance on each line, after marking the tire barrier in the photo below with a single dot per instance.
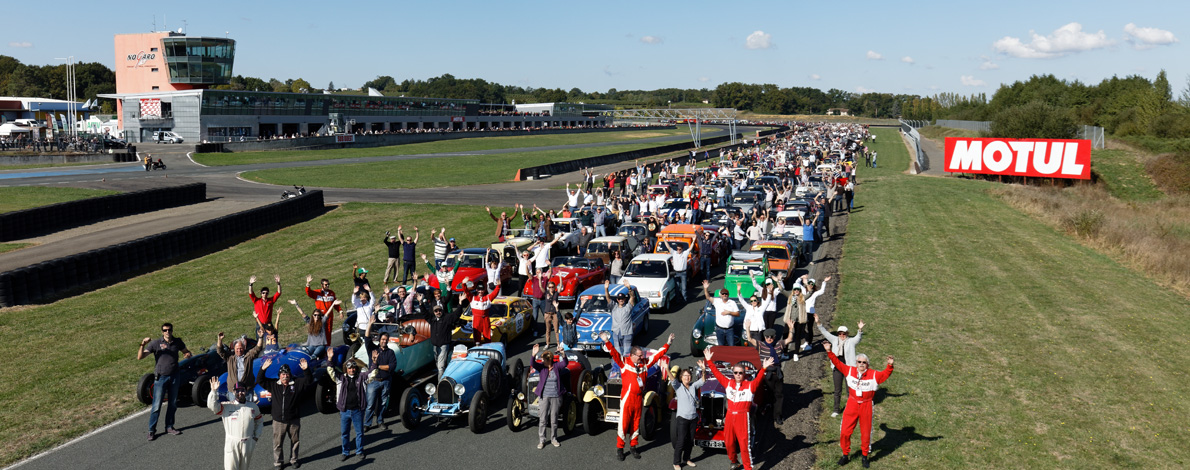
108 265
42 220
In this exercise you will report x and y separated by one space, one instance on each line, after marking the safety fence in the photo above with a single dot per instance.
914 139
38 221
1091 133
105 266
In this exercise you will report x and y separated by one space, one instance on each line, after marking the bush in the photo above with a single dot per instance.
1171 126
1036 120
1084 223
1171 172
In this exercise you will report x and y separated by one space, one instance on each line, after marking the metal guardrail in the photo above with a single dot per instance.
923 163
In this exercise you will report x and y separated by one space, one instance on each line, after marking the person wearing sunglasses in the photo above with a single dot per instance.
863 382
165 351
739 392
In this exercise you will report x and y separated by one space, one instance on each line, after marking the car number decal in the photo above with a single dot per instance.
520 322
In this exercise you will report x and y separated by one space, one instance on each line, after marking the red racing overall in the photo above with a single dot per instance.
736 423
481 327
632 394
859 403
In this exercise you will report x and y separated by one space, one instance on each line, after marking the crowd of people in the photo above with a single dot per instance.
777 321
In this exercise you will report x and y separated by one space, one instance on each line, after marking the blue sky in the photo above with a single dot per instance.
895 47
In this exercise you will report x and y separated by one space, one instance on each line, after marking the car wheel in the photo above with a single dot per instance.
644 329
411 402
516 413
200 389
585 381
479 412
492 376
144 389
517 376
648 423
324 397
569 414
593 417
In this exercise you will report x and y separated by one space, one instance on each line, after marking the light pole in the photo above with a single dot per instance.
71 106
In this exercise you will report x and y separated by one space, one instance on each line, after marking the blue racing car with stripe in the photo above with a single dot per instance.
592 313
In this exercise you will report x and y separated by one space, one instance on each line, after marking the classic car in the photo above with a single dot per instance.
662 189
635 232
510 317
572 275
195 374
291 355
524 404
722 214
571 230
602 248
712 403
652 274
472 380
471 264
744 268
602 401
518 237
810 190
747 201
789 224
409 339
703 336
676 210
782 256
593 315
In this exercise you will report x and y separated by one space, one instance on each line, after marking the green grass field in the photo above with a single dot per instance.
1016 346
6 247
428 172
445 146
92 381
16 198
1124 175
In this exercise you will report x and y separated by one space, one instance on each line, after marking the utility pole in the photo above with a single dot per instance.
71 95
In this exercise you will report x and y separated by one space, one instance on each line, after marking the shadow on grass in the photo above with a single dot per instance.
881 394
894 439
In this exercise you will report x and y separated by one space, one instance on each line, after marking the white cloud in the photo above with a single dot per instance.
815 76
21 44
1144 38
651 40
873 55
933 87
704 79
988 65
862 89
1062 41
969 80
759 40
907 60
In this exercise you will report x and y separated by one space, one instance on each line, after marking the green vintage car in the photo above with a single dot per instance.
744 268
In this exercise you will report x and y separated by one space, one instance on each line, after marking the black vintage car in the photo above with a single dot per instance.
195 373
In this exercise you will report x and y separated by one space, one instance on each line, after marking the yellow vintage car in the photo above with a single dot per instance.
510 316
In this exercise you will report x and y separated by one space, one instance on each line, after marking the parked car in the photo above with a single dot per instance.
291 355
602 248
166 137
703 336
602 401
510 317
635 232
747 201
744 268
572 275
473 379
782 257
471 264
677 209
652 274
195 374
712 403
524 404
571 230
521 238
410 340
593 316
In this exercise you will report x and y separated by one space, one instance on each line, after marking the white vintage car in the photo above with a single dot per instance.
652 275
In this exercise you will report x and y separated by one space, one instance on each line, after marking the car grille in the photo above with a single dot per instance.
612 395
714 409
531 387
446 392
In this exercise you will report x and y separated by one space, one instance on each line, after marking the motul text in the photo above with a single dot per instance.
1025 157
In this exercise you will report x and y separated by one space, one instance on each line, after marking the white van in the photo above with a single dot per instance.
166 137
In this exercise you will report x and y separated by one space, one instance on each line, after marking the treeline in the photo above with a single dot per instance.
49 81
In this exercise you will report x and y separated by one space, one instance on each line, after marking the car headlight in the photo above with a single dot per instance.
696 334
520 396
459 389
652 293
597 390
430 389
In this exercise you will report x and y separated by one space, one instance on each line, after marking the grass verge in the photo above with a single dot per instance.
445 146
7 247
432 172
939 132
17 198
1017 346
1124 175
94 386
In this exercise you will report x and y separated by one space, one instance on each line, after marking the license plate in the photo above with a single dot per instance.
440 408
711 444
612 419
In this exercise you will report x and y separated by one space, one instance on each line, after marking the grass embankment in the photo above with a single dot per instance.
1016 346
7 247
938 132
428 172
17 198
1123 175
94 385
444 146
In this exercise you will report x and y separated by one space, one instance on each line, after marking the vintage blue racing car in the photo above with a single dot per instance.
473 378
593 313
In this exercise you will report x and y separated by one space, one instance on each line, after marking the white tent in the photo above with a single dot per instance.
9 128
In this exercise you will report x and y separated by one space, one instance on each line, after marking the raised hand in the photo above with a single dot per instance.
816 319
768 361
252 280
861 324
309 278
277 277
214 383
702 364
145 341
671 339
826 345
220 336
536 349
337 302
376 353
266 363
706 354
330 355
292 302
706 283
827 279
889 360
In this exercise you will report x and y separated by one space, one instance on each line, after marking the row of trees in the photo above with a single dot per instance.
49 81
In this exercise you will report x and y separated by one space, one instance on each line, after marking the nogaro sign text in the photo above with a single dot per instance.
1048 158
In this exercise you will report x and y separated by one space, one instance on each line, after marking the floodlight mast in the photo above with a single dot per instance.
693 118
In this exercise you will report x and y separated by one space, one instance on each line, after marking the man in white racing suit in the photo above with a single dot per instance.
242 423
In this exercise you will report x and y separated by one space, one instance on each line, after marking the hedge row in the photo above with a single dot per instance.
38 221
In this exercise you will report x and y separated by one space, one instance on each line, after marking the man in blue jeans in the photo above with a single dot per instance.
383 361
726 312
351 400
165 350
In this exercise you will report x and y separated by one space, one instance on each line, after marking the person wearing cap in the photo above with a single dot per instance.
442 325
263 305
165 351
393 243
725 310
239 360
242 425
863 381
774 377
480 299
284 392
360 276
351 393
844 346
621 311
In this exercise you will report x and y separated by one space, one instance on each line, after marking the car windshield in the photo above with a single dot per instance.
593 303
647 268
570 262
467 260
662 248
518 233
747 199
497 311
677 205
744 270
632 231
791 220
601 247
775 253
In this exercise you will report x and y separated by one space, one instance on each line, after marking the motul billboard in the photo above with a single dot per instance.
1046 158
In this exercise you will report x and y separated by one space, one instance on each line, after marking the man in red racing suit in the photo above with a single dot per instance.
481 301
633 373
863 383
736 425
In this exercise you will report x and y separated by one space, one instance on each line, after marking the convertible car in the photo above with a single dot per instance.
525 404
470 263
572 275
593 316
468 384
712 403
409 339
195 374
602 402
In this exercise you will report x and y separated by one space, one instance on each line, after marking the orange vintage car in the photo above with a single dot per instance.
689 236
782 256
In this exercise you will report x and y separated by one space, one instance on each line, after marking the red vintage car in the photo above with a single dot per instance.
470 263
712 403
572 275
